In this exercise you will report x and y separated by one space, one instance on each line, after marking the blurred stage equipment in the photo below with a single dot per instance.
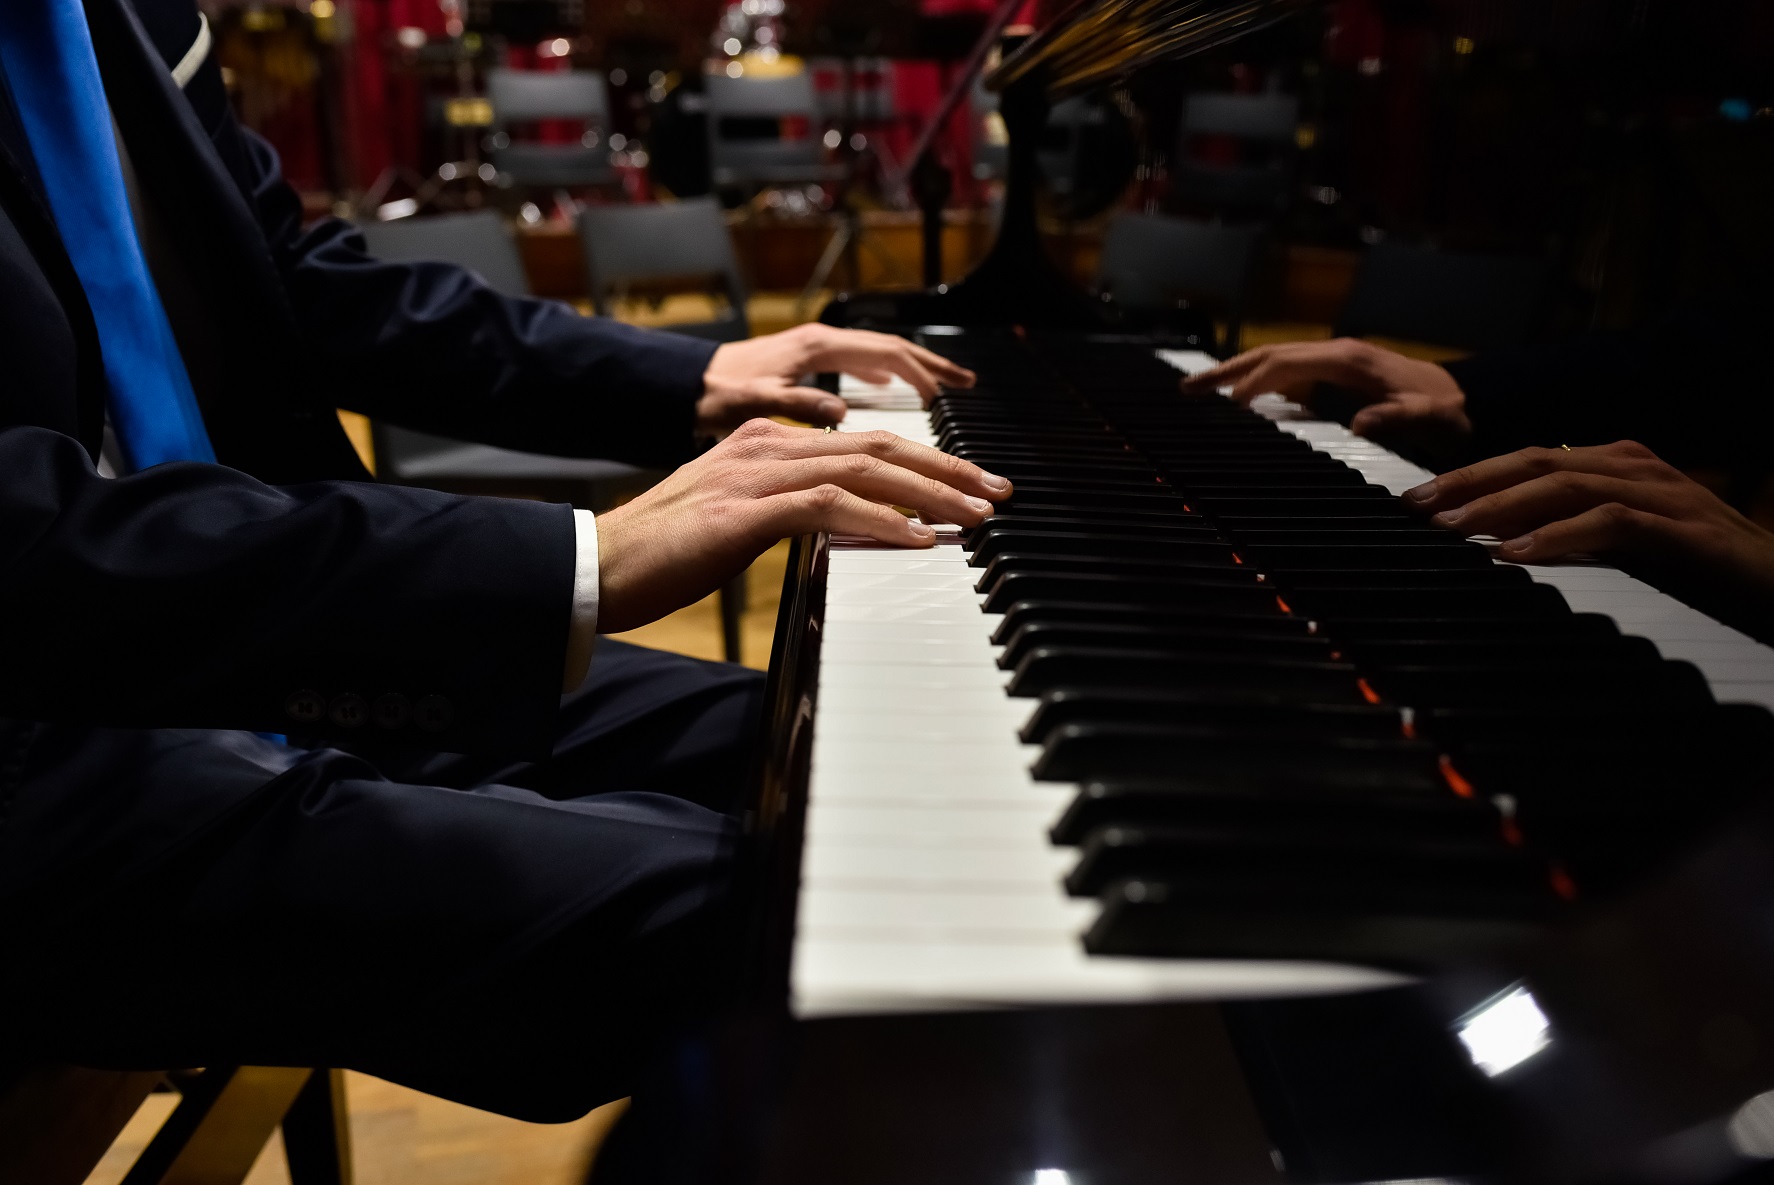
1091 44
520 97
466 115
1260 129
675 246
763 132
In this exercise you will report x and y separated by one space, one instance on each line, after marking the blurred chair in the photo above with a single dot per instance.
526 96
1153 265
1261 130
1471 302
681 245
481 241
57 1122
766 132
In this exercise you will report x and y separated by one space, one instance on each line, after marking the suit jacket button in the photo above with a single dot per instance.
391 710
349 710
304 707
433 713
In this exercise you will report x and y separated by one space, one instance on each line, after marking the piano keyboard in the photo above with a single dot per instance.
928 878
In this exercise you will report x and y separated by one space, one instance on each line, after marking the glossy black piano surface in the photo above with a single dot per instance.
1304 727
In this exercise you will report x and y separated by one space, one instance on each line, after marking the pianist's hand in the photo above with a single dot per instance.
1410 401
759 377
701 526
1615 499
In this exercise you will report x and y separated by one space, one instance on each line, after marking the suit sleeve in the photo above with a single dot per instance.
430 346
193 595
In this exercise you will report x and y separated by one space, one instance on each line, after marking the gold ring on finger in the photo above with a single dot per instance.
1566 447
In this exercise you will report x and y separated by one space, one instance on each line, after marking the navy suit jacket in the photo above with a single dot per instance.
240 595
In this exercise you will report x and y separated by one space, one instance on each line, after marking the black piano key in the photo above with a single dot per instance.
1303 581
1259 615
1177 523
1467 629
1672 684
1216 707
1191 547
1526 653
1200 636
1320 535
1182 800
1234 756
1196 572
1159 498
1447 553
1156 920
1432 875
1082 666
1393 604
1746 727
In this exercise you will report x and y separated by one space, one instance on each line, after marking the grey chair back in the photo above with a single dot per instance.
522 96
1260 184
678 241
1471 302
1151 262
479 241
746 119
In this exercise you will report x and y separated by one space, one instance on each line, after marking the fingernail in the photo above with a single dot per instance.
921 530
831 409
1448 518
979 504
994 482
1520 544
1422 493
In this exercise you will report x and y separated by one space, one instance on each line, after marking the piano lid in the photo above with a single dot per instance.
1094 42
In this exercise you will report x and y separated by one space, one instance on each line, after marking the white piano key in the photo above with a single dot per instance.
964 633
834 975
850 595
954 614
997 824
913 912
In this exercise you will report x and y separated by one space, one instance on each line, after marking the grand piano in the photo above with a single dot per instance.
1204 816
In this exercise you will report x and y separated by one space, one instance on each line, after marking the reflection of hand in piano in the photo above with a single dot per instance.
1412 402
701 526
1549 504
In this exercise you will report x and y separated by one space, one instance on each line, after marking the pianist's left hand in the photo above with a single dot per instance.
761 377
1548 504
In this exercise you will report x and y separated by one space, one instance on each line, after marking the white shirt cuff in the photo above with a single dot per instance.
582 628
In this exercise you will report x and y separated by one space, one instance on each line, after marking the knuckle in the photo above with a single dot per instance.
878 441
1568 483
1631 448
757 428
1540 460
861 465
825 498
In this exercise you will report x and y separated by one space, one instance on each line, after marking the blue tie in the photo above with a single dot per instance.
46 50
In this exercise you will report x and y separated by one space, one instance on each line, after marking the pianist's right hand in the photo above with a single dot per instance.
700 527
1410 401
